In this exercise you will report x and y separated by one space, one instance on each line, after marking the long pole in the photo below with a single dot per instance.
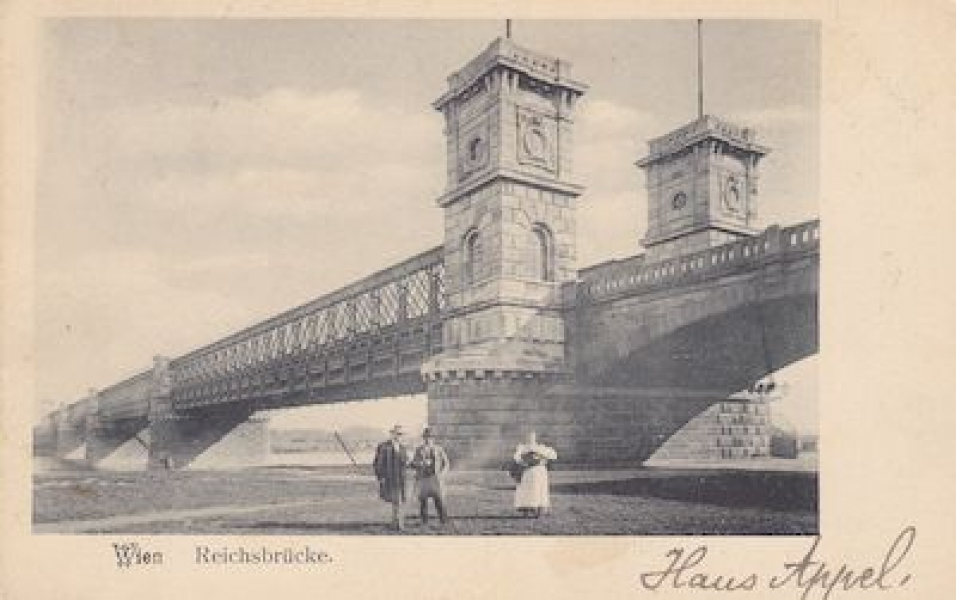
508 28
700 69
344 447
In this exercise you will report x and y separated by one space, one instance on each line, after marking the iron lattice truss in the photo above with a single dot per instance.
368 339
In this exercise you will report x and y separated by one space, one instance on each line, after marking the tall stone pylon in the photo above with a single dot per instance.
701 187
510 228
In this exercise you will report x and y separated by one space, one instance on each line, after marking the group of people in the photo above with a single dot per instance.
430 463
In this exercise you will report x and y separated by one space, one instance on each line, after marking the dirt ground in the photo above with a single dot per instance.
343 501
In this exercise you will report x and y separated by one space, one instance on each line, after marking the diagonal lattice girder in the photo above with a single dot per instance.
335 340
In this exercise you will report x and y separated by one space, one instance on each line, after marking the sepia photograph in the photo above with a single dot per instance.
427 277
474 300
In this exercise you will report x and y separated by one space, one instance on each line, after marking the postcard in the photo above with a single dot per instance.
611 301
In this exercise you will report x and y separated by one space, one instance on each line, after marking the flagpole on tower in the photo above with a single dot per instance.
700 69
508 28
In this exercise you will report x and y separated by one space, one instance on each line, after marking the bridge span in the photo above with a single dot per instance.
651 345
611 364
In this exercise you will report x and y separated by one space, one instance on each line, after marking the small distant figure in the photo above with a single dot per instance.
391 460
431 464
532 496
165 461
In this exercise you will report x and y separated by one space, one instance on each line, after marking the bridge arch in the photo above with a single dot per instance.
722 352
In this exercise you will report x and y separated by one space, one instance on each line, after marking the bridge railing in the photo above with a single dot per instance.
397 305
383 325
634 275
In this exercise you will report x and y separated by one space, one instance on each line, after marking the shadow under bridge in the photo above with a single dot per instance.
718 320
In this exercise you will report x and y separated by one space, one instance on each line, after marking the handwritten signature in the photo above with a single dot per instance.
810 574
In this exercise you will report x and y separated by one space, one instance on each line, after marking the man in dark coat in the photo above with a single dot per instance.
391 460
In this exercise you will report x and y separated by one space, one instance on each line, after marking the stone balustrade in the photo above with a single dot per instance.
633 275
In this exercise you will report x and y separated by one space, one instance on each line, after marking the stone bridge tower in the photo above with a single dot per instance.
701 187
509 209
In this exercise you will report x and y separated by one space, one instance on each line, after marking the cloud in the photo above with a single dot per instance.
181 212
278 162
610 138
98 313
280 128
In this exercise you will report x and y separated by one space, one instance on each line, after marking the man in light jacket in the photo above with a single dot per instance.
431 464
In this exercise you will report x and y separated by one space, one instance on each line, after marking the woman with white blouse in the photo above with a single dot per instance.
532 496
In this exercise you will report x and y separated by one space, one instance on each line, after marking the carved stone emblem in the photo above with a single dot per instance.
679 201
731 195
536 139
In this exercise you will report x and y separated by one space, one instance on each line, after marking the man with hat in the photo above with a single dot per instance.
430 464
391 459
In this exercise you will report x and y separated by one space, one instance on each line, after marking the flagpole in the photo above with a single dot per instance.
700 69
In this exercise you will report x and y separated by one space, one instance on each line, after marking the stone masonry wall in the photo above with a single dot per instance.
480 420
725 430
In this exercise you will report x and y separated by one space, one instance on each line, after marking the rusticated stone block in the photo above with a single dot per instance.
576 421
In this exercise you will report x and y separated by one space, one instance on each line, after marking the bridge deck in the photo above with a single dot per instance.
369 339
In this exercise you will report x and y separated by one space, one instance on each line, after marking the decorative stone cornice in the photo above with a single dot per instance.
460 375
712 225
706 127
510 175
504 52
501 361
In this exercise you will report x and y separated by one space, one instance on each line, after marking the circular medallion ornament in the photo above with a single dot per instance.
679 201
535 143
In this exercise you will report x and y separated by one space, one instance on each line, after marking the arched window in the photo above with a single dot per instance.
474 149
474 256
543 254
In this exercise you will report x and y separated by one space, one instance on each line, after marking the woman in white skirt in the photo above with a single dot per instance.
532 496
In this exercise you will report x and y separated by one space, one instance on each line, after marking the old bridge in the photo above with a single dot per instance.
610 363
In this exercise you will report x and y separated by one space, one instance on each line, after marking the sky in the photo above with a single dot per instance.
197 176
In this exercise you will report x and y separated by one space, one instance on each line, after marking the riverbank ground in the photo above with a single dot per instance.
343 501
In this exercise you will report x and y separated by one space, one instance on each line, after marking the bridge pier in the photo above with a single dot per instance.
69 438
726 430
481 418
227 437
45 436
119 444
